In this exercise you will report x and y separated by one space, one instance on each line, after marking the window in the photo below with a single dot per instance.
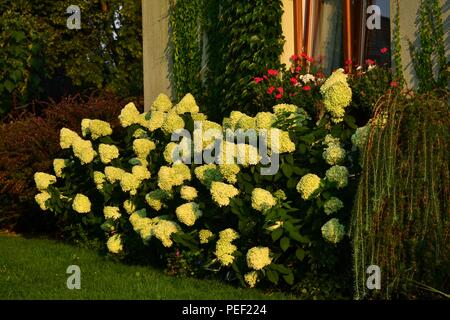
337 31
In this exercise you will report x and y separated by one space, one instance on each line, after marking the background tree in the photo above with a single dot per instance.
41 58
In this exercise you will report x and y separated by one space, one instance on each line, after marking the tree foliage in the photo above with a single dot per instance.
40 57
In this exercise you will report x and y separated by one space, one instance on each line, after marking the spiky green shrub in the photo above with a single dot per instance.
400 220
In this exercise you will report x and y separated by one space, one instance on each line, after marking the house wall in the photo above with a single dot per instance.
409 31
287 23
155 35
156 40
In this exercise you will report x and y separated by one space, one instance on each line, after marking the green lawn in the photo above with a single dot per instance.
36 269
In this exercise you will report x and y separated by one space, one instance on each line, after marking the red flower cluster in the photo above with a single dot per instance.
370 62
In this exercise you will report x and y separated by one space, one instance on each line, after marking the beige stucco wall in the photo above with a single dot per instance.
155 41
287 23
409 31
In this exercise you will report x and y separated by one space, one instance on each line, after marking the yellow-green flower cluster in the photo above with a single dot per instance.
129 206
258 258
246 122
112 213
234 118
168 177
81 204
172 153
129 115
83 150
130 183
338 175
143 147
107 153
67 138
156 121
58 166
251 278
333 231
247 155
229 172
279 141
114 244
41 199
333 205
43 180
329 139
208 173
262 200
264 120
280 195
141 172
334 154
143 225
221 193
99 179
95 128
188 193
308 185
162 103
204 235
210 132
187 105
275 226
224 248
114 174
172 123
160 228
163 230
281 109
140 133
188 213
337 95
360 137
228 235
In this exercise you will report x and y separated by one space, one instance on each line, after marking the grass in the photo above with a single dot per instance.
36 269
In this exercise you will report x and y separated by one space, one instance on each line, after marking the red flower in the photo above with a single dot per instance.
320 74
279 96
349 62
310 59
280 90
270 90
265 77
272 72
307 88
384 50
258 80
294 57
394 84
370 62
294 81
304 55
298 69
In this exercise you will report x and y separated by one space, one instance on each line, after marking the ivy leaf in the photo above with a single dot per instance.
9 85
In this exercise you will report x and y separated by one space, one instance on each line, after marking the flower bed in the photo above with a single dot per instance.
147 196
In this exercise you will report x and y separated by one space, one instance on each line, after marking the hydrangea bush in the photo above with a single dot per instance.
129 189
